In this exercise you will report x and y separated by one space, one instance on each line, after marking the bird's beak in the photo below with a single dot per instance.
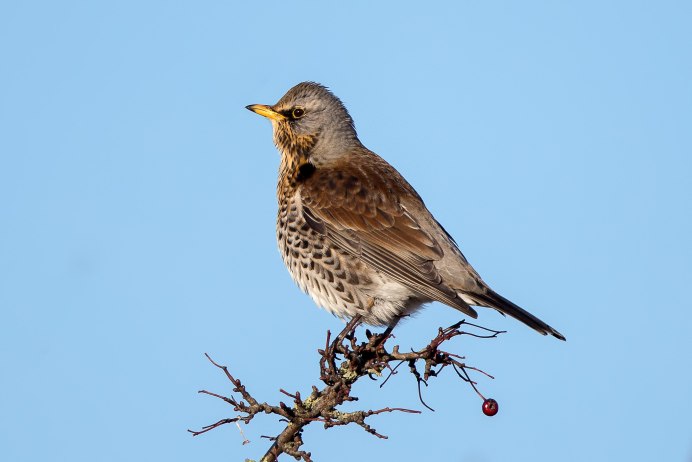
265 111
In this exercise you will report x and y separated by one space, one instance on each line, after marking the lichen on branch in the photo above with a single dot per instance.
355 359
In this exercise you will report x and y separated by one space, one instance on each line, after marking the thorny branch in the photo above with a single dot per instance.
370 358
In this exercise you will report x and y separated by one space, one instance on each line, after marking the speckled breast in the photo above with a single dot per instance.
328 275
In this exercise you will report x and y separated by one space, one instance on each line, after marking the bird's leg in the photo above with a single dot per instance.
387 332
328 361
348 330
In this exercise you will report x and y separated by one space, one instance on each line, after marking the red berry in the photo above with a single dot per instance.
490 407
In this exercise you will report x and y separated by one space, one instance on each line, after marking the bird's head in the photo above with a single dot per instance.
311 123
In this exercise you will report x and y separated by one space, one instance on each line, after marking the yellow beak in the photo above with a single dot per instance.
265 111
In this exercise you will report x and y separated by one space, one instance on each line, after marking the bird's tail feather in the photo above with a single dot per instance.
492 299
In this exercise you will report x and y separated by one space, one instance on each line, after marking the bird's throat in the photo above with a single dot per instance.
293 146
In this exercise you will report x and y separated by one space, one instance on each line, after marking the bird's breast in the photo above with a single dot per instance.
336 280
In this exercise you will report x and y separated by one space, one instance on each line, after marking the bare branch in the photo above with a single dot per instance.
364 359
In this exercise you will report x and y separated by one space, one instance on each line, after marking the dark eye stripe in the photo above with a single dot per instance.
294 113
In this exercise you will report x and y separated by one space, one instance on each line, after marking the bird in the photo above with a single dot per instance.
353 233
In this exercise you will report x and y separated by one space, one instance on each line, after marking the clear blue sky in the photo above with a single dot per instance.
137 211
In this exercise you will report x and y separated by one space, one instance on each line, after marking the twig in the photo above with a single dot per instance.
359 360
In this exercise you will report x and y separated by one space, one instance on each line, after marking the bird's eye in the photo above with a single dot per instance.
297 113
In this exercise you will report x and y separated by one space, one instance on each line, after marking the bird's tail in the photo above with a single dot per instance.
492 299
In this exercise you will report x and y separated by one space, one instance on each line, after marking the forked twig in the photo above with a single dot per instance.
358 360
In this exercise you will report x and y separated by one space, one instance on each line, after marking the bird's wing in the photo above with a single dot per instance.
359 211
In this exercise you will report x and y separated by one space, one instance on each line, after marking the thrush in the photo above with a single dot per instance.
353 233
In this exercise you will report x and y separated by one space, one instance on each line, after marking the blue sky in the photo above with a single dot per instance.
137 210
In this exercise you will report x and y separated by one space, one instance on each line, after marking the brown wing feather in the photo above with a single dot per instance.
358 211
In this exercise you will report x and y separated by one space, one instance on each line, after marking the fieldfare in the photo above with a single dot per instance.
353 233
